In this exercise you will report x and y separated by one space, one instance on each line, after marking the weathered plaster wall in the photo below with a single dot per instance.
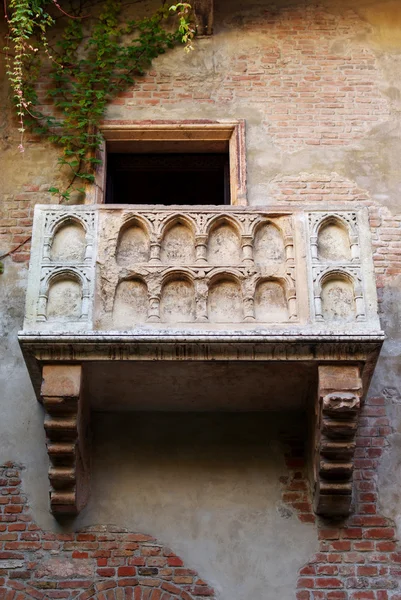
319 87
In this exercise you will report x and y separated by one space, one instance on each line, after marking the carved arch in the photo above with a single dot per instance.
333 219
225 219
346 222
224 272
59 274
177 240
224 241
66 219
272 249
177 219
177 272
134 308
178 296
258 223
133 251
225 297
58 222
340 274
135 220
282 313
68 272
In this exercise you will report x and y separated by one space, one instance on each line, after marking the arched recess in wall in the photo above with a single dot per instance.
333 242
64 298
224 243
177 303
269 245
69 242
270 301
130 303
133 245
178 243
338 297
225 304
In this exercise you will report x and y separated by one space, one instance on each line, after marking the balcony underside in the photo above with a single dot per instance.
174 365
325 378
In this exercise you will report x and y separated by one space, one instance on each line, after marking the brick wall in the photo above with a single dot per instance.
106 563
358 558
312 88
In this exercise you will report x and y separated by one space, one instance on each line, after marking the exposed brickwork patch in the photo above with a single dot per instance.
358 559
103 563
316 85
316 187
16 218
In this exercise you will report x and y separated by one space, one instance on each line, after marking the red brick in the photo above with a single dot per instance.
379 533
305 582
329 582
126 571
106 572
366 571
174 561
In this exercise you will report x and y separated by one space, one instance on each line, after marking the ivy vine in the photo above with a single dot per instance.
97 56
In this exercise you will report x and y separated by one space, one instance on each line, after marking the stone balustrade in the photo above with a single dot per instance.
124 269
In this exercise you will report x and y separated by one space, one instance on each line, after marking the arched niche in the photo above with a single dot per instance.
338 299
224 245
333 243
64 299
268 245
68 243
178 245
225 301
130 304
177 303
133 246
270 302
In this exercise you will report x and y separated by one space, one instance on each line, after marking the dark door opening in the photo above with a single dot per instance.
183 179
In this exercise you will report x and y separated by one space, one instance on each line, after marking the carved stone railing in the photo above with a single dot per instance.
111 284
200 268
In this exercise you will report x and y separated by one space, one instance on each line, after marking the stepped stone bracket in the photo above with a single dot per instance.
338 408
66 426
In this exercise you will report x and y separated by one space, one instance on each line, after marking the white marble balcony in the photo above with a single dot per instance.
202 308
131 270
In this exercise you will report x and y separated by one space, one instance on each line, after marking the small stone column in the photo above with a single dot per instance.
155 248
201 249
66 426
201 294
247 249
354 243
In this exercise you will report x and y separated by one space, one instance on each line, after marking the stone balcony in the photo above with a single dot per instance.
202 308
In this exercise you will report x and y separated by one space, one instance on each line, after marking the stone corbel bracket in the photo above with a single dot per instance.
337 414
66 426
